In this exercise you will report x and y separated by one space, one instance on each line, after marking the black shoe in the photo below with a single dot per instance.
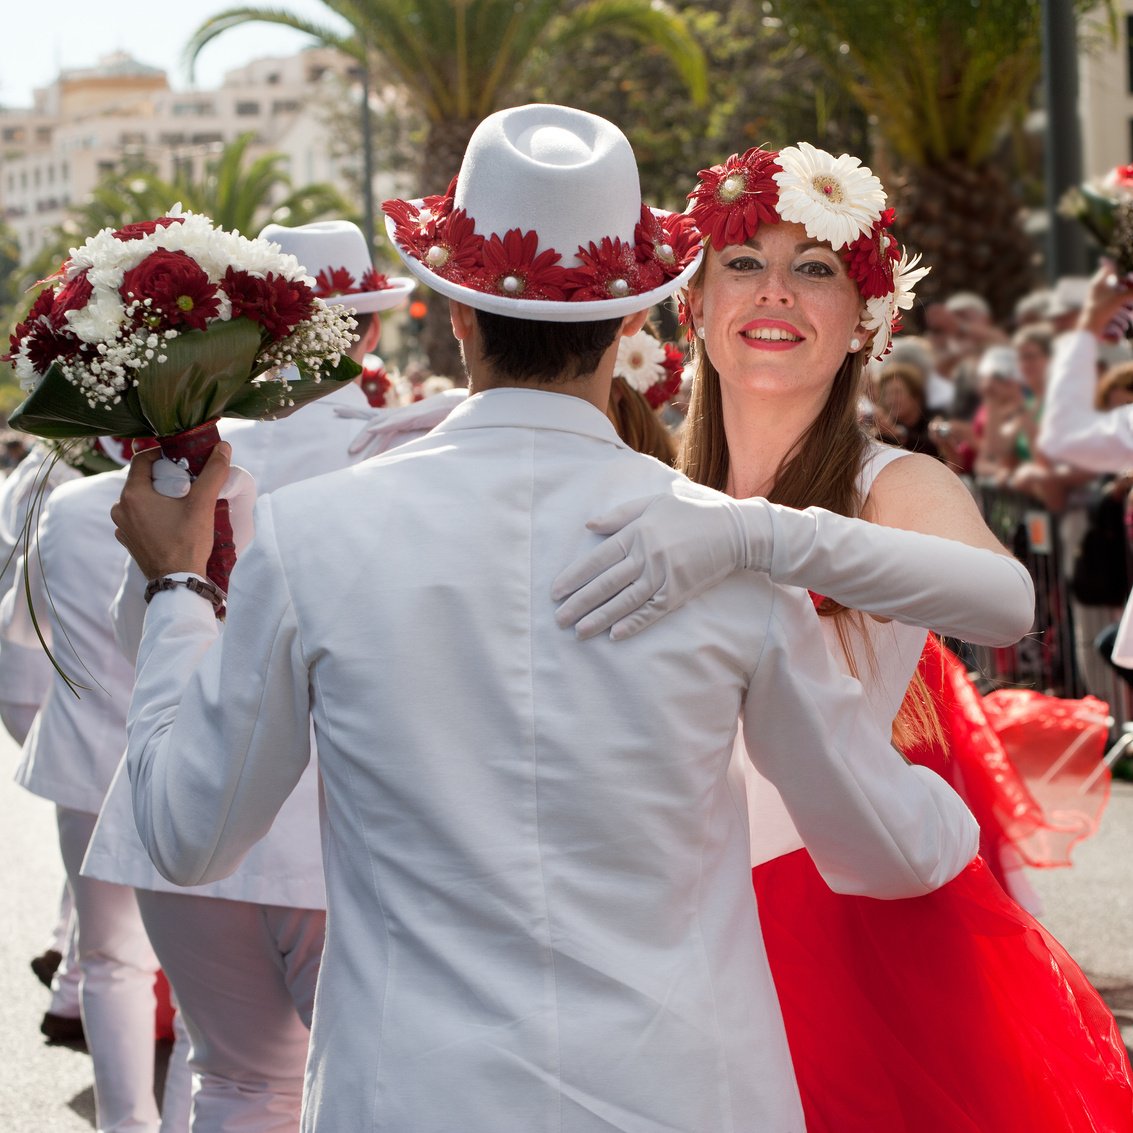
61 1030
45 966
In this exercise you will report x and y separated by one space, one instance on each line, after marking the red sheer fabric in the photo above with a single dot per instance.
956 1012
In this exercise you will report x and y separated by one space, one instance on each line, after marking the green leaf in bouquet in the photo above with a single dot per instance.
57 410
203 371
267 399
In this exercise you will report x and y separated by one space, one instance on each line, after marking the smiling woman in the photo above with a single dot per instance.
948 1012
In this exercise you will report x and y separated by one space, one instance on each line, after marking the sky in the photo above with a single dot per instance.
39 40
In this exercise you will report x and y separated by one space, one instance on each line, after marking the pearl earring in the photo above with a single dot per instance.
855 344
700 332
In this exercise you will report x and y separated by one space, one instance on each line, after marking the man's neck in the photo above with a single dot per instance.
591 387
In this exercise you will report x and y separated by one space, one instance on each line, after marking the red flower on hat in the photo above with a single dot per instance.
732 200
514 267
411 232
277 304
609 270
334 281
177 291
440 206
664 246
146 227
374 281
871 258
456 249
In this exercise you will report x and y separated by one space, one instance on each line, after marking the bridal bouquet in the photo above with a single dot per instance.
159 328
1104 207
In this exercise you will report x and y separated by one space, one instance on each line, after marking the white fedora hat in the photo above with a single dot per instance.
335 254
545 222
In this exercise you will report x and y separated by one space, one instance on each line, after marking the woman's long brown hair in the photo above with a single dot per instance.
820 470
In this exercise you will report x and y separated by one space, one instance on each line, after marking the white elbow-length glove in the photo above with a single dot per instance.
664 550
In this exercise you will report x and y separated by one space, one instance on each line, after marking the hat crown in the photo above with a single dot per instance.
562 173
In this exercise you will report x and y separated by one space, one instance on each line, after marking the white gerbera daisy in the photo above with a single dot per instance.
641 361
836 199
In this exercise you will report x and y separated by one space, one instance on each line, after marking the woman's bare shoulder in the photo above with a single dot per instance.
920 493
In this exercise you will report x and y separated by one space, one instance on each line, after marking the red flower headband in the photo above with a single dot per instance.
444 239
836 199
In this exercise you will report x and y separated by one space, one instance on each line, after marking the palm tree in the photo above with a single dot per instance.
458 61
237 192
943 83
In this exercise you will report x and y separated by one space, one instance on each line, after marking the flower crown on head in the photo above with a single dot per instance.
445 240
651 367
836 200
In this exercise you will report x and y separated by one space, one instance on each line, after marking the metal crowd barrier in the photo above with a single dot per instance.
1058 656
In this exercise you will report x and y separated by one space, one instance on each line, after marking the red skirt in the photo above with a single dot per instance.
956 1012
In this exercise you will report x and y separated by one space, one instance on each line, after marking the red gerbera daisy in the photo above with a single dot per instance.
455 253
514 267
334 281
608 270
409 230
375 382
732 200
439 206
374 281
870 260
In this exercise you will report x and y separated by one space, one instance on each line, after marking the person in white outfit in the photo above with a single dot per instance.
69 757
539 908
242 953
1072 430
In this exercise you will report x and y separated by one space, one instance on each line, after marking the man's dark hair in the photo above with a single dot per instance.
528 351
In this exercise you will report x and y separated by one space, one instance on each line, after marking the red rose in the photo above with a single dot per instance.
146 227
179 291
277 304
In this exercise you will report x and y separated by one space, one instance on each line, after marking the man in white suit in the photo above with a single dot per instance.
539 903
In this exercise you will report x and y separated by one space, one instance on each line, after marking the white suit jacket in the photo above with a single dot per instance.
75 566
540 913
285 866
25 671
1074 431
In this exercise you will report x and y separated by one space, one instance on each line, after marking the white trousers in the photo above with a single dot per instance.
243 976
65 982
118 968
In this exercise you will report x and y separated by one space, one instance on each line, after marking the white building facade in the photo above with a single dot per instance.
105 120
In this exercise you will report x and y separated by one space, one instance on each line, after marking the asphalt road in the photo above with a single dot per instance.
47 1089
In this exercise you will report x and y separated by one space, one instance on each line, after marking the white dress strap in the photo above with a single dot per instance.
877 457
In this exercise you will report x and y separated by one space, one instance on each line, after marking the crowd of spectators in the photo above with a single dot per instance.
970 391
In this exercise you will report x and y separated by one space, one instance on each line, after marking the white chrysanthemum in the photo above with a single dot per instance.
835 199
641 361
100 319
